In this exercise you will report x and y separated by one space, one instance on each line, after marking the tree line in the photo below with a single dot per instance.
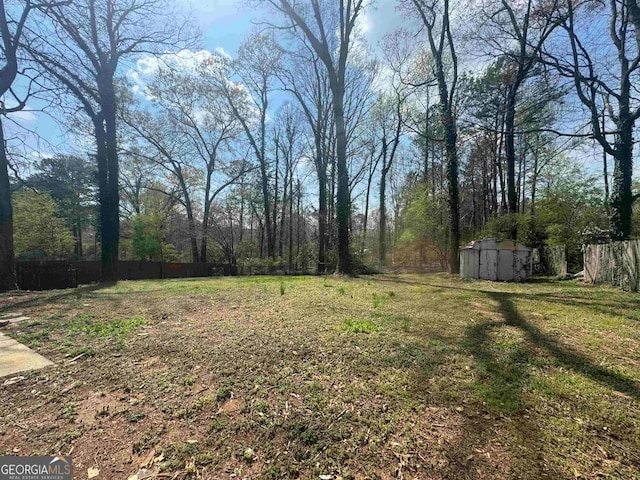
309 148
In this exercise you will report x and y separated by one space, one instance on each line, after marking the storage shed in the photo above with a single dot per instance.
491 259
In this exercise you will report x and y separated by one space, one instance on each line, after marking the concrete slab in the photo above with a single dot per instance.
15 357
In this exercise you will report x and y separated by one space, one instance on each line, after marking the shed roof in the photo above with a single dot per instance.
495 244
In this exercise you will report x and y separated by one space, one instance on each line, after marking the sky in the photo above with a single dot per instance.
224 24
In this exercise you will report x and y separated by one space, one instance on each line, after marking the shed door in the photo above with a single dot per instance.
505 265
488 264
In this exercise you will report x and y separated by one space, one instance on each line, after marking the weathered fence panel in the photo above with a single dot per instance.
45 275
615 263
554 260
52 274
550 261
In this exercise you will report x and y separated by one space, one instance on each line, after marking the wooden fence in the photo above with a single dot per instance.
50 274
550 261
615 263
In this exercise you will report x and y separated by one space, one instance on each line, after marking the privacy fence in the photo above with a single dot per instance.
550 261
615 263
48 274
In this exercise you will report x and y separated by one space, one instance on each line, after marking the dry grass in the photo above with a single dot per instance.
410 376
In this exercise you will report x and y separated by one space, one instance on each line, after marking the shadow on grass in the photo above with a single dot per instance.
564 355
493 419
36 299
628 308
504 370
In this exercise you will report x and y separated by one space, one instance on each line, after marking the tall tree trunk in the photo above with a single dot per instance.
485 188
76 231
291 222
366 213
494 176
203 240
298 222
510 155
382 234
474 214
7 256
103 194
534 177
241 236
343 203
605 172
267 210
622 196
451 139
205 214
503 196
274 227
433 170
426 142
321 172
111 220
523 177
331 205
283 209
322 221
195 258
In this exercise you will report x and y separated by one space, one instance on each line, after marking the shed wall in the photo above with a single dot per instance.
483 260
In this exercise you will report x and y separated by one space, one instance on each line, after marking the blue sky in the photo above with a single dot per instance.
224 23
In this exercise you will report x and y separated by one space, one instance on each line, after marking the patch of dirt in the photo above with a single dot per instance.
232 406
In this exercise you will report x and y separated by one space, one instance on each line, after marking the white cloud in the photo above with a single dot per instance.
184 61
24 116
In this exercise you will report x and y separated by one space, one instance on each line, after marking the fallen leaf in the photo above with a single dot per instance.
13 380
142 474
77 357
93 472
70 387
148 458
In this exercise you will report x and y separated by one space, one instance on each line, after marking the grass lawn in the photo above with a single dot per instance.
407 376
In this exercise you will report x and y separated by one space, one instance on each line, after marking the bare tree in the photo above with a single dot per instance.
288 142
256 66
518 31
201 118
81 46
324 27
435 17
372 162
13 24
303 75
388 121
164 148
607 87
